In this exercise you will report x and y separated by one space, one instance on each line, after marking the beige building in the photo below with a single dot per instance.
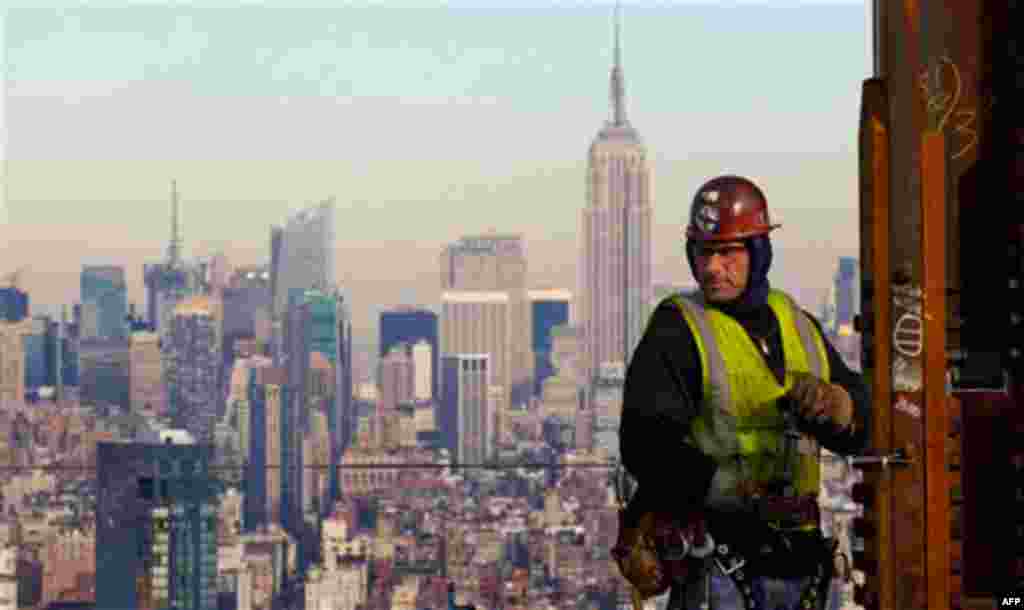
479 323
396 379
474 271
145 373
12 361
615 268
8 578
273 380
423 367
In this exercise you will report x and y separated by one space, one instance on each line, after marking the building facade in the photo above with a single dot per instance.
306 253
423 371
12 360
104 296
411 325
103 365
146 389
479 323
496 263
396 377
156 527
550 308
193 377
463 419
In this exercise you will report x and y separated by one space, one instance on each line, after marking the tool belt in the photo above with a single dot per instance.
815 557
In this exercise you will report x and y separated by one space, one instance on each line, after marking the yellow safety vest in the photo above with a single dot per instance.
740 425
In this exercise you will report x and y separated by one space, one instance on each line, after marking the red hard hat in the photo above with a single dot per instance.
728 208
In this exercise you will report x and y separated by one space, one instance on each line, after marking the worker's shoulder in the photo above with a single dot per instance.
668 320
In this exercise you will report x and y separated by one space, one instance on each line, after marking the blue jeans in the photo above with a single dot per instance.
768 593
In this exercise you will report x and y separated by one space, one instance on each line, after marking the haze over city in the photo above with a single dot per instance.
424 124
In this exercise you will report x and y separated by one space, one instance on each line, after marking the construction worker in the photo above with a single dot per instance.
728 398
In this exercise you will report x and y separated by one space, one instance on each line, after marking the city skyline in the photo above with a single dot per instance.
503 109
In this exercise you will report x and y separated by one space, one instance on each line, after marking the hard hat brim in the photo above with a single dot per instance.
695 233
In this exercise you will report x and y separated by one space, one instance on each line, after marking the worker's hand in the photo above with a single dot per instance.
819 401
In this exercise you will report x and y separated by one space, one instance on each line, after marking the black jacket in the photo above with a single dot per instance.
662 394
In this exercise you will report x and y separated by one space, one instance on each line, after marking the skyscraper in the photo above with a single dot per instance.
324 319
294 415
615 272
306 253
247 308
12 360
423 370
463 418
166 281
395 377
104 302
254 512
410 325
156 524
494 264
193 380
145 374
479 322
550 309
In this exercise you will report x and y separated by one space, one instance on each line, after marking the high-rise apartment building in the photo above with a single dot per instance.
267 407
12 361
104 369
146 393
255 511
463 408
36 364
104 296
247 308
396 379
490 264
410 325
294 411
319 322
550 309
423 371
615 270
193 379
479 323
156 527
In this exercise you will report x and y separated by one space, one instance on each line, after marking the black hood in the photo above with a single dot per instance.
755 296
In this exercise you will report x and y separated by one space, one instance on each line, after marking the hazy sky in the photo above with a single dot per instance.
424 123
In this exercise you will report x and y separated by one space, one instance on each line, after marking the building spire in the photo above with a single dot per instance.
618 84
174 247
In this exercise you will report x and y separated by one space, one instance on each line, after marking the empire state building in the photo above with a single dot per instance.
615 270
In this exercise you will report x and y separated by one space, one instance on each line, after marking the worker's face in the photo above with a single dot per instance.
723 270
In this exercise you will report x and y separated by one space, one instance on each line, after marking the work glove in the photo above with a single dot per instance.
818 401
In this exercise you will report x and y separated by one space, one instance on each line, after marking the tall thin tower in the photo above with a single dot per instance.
615 271
174 246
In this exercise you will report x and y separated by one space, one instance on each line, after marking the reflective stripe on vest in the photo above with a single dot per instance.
740 425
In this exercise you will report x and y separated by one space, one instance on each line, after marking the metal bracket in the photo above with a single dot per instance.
896 458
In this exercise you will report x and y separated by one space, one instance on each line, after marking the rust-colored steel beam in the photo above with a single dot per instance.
875 188
936 420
